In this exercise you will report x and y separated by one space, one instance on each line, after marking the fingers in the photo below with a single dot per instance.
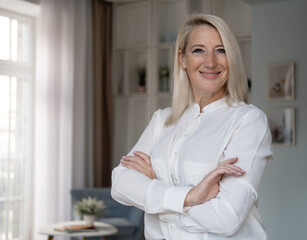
225 168
229 161
144 156
232 169
140 162
228 170
134 160
136 165
140 158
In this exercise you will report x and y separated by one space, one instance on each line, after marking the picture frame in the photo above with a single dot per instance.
280 80
282 125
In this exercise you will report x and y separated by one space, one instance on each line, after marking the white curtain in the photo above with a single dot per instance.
62 154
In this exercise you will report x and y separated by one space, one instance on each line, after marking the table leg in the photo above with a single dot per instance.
50 237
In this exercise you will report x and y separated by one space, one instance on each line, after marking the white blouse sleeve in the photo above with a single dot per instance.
130 187
225 214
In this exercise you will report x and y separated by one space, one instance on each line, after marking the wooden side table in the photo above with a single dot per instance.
102 230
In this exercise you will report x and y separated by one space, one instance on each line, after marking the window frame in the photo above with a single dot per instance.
25 70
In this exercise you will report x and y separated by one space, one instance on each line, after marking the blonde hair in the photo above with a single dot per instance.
236 85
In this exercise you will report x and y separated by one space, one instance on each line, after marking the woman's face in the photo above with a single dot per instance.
205 62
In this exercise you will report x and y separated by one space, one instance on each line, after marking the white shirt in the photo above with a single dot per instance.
182 155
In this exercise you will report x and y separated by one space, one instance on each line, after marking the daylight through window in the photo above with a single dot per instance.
16 77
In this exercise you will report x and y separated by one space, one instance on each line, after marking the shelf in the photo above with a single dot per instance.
137 71
164 69
131 71
243 37
168 24
164 95
131 24
239 22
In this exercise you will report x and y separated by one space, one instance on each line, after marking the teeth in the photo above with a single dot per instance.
210 74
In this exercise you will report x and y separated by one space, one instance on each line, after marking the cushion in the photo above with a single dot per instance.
125 227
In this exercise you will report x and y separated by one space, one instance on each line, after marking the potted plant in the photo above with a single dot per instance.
89 208
164 79
142 78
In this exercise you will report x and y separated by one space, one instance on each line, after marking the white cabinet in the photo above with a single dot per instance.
144 39
237 14
169 18
131 24
144 34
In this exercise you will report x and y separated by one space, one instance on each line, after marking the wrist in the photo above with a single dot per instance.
200 194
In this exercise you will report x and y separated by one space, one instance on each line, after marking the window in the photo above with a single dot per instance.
16 81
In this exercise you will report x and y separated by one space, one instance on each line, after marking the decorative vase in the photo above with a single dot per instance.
89 219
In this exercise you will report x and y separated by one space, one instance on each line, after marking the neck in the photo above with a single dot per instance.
205 100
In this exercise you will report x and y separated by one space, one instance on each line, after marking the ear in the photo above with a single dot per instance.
182 59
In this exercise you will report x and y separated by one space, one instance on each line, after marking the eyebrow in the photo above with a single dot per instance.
199 45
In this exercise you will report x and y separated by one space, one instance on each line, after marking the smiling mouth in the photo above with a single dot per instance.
209 75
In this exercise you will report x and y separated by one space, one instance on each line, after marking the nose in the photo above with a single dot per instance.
210 60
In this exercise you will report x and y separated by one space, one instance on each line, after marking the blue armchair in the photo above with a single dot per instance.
128 220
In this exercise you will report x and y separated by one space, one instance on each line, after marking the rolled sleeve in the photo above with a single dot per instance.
167 198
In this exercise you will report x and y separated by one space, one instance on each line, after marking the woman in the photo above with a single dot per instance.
196 169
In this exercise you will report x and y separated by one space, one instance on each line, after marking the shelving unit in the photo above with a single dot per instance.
144 39
237 14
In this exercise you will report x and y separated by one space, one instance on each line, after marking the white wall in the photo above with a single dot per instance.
279 34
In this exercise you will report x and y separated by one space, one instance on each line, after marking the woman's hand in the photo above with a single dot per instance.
209 187
140 162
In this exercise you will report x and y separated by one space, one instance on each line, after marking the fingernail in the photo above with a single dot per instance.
239 173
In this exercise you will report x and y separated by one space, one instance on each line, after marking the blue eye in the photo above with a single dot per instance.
197 50
221 50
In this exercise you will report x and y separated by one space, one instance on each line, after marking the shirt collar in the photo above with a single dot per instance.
210 107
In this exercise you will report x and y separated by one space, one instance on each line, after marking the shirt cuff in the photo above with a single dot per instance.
174 199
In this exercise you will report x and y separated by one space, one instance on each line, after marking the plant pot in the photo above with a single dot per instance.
89 219
142 89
